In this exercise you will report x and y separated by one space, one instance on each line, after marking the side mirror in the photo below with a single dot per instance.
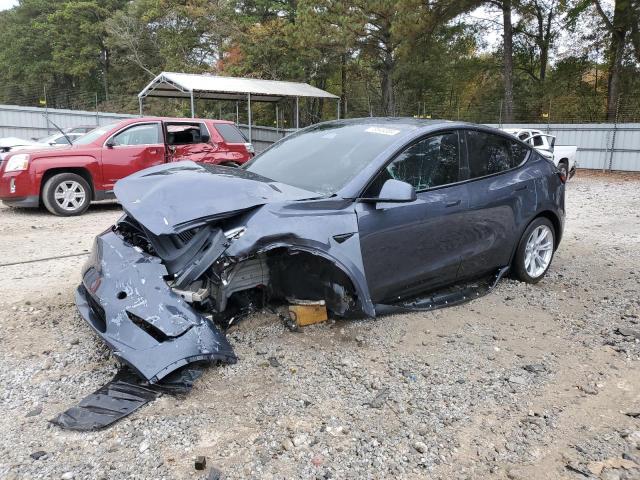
205 138
110 143
393 191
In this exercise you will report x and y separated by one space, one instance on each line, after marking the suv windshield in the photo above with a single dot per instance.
94 134
325 157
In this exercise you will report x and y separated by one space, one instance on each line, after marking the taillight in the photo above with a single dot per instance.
563 176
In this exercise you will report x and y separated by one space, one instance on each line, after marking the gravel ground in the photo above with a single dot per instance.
527 382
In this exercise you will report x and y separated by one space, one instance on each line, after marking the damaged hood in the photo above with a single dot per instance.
172 197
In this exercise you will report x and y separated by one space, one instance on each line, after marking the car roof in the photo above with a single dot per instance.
178 119
402 123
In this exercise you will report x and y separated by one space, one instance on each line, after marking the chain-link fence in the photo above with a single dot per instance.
603 143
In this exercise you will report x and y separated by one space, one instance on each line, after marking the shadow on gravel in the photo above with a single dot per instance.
103 206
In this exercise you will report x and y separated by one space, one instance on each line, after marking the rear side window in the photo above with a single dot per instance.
518 153
489 154
537 141
230 133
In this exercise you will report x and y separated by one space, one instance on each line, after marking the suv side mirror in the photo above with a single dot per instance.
204 137
110 143
393 191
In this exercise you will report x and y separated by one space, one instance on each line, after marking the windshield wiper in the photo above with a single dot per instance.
59 129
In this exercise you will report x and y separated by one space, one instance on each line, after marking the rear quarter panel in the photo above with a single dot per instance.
227 152
550 191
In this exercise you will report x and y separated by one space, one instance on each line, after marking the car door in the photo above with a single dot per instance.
132 148
501 197
188 141
413 247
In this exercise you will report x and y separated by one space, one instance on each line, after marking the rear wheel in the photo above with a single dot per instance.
535 251
66 194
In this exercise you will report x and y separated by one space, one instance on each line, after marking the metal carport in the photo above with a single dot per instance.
213 87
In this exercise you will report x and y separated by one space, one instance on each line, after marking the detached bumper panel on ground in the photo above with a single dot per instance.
124 298
123 395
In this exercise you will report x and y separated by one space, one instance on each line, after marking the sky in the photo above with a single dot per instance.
4 4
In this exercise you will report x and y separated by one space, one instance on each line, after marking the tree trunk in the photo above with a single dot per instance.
616 54
507 75
545 43
343 85
388 98
615 70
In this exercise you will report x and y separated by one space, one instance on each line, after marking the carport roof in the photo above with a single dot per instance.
213 87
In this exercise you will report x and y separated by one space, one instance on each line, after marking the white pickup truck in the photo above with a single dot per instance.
564 156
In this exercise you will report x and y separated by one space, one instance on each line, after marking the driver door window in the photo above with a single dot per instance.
431 162
147 134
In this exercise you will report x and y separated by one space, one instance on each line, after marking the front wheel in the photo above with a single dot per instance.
230 164
66 194
535 251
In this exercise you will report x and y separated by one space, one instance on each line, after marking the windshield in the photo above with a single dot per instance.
324 158
94 134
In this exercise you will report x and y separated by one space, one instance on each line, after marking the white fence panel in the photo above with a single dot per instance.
263 137
600 145
31 122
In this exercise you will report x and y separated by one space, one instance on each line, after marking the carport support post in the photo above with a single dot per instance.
237 113
140 103
193 110
249 114
338 109
297 113
276 117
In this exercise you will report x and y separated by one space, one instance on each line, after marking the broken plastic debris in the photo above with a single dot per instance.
201 462
123 395
446 297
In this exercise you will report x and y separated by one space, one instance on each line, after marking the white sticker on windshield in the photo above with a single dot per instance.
382 130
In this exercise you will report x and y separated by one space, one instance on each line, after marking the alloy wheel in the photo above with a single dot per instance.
539 250
69 195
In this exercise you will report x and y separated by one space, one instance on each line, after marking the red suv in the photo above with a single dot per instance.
65 180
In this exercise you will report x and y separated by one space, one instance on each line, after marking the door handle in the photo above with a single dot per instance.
453 204
153 150
519 189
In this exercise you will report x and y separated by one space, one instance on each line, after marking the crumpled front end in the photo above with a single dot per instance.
127 301
200 247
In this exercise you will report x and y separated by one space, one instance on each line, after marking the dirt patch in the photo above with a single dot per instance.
527 382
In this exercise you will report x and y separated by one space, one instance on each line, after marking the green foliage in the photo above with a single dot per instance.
398 57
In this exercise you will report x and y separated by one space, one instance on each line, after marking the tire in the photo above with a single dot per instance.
66 194
564 169
230 164
524 269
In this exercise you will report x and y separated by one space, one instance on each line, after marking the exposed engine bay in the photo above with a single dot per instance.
224 286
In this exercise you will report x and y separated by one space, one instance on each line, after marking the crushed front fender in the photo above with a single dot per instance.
125 299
